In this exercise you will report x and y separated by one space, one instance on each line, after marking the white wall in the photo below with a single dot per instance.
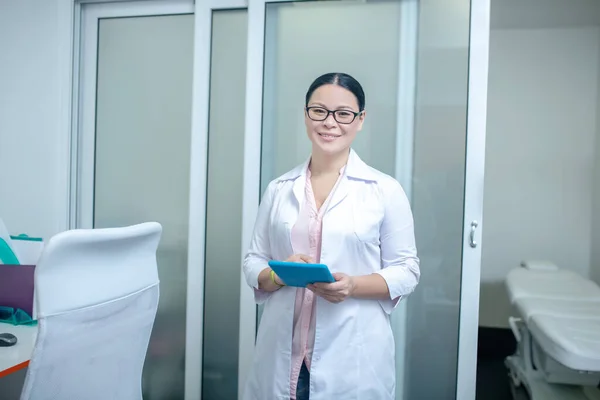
541 136
33 143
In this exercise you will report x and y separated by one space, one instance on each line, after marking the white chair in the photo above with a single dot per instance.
96 296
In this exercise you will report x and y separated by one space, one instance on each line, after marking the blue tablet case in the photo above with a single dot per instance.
301 274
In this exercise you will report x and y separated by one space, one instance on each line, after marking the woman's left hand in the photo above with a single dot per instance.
337 291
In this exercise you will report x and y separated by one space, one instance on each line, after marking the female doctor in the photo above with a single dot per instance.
331 341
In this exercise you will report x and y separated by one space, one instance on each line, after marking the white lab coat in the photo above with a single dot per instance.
367 228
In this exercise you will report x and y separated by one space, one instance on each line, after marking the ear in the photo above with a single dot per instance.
361 119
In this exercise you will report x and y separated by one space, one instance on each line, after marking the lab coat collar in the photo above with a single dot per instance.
356 168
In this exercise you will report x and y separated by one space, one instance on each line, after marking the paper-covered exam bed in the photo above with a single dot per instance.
557 332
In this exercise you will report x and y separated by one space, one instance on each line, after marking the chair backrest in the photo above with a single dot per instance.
96 297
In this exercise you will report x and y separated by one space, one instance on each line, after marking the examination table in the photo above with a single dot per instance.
557 333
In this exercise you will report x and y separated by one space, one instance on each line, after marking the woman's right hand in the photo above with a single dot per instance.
300 258
264 278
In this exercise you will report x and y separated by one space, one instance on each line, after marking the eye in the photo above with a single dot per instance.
319 111
344 114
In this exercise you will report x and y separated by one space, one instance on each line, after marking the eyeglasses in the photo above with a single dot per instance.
341 116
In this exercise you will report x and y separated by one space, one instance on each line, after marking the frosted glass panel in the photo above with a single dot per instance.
366 39
438 197
362 33
142 164
224 205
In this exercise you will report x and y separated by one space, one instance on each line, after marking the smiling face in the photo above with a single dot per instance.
332 133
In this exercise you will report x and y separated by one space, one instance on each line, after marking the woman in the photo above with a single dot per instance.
331 341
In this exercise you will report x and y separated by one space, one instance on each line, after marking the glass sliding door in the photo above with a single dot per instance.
224 205
413 59
215 303
438 198
134 151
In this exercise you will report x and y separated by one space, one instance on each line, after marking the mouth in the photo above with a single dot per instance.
328 136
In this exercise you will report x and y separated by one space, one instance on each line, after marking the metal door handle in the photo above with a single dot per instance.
472 241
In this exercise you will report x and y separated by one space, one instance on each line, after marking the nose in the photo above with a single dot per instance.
330 121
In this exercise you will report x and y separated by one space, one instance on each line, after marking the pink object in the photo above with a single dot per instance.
306 239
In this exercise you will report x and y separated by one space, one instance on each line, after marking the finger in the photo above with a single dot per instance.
338 276
314 289
295 258
278 280
331 287
305 258
326 296
339 285
333 299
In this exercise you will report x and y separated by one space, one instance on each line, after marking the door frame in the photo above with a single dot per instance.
474 175
479 44
254 168
78 120
200 124
83 138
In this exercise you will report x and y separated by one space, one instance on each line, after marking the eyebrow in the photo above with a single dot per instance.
338 108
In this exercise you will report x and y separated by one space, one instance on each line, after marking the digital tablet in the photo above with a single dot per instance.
301 274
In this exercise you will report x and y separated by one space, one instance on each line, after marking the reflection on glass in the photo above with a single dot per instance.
304 40
142 164
292 62
438 198
224 205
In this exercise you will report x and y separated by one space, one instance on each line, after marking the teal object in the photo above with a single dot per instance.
301 274
15 316
25 237
7 256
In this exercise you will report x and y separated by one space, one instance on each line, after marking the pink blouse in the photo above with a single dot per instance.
306 239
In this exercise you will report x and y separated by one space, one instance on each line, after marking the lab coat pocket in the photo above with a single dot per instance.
280 237
367 220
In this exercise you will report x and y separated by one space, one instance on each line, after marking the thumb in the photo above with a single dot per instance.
338 276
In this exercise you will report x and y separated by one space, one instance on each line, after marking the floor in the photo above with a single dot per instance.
493 382
11 385
492 376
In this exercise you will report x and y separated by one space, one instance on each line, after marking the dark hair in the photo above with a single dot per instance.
340 79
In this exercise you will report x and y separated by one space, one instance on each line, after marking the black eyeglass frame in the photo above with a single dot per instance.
355 114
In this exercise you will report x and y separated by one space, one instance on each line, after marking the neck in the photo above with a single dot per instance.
328 163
